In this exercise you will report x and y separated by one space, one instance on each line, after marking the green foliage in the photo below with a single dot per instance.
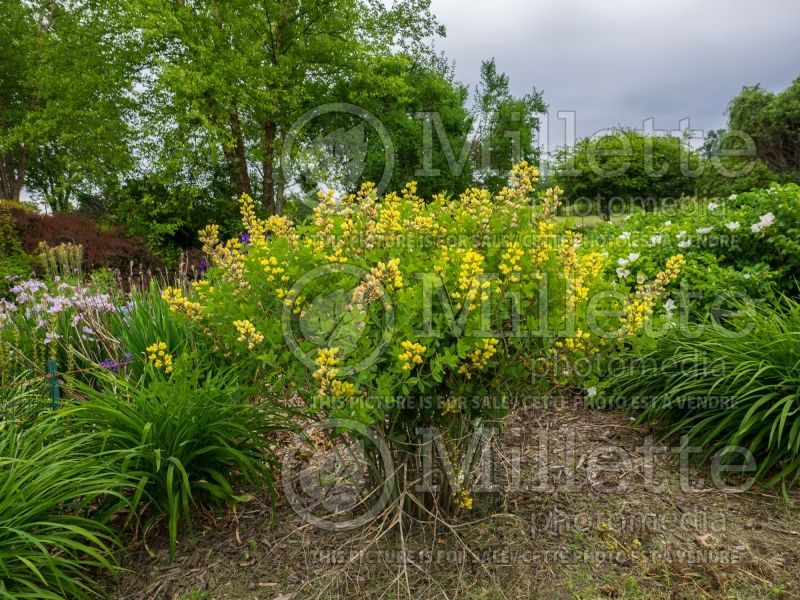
189 439
773 123
167 215
230 77
64 91
433 321
423 110
15 263
53 540
625 168
507 126
731 385
724 254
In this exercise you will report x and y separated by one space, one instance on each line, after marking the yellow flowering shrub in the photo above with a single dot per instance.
373 303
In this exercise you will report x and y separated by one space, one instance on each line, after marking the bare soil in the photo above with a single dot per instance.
562 537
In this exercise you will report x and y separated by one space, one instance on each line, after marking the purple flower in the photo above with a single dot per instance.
110 364
51 337
203 266
244 239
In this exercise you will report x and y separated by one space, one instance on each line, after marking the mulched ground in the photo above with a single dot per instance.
577 531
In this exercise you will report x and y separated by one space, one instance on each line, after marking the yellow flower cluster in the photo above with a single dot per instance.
479 357
202 288
209 237
469 283
389 272
640 308
275 273
510 266
551 202
474 204
578 344
463 499
412 355
248 334
327 363
523 180
278 225
179 303
451 406
157 354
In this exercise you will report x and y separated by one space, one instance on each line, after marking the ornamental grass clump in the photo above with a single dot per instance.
724 387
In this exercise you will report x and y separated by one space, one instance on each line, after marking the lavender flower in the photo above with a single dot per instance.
202 266
51 336
111 364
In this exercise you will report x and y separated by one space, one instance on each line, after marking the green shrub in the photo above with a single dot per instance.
726 387
188 439
52 538
400 314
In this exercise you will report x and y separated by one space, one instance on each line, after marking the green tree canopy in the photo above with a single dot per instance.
627 165
230 77
507 126
65 100
773 122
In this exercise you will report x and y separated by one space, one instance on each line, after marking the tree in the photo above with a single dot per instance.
625 165
423 111
773 122
507 126
231 76
63 95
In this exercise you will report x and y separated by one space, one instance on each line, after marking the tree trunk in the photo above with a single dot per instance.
12 176
237 158
270 133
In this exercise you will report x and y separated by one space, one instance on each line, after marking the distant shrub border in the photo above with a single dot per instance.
111 249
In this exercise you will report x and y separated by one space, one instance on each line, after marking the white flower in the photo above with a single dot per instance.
667 223
712 206
640 279
633 256
591 392
747 276
733 225
670 306
732 197
765 221
622 273
681 234
655 240
622 262
685 244
704 230
625 235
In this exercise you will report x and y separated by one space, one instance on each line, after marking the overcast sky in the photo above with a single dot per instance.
619 62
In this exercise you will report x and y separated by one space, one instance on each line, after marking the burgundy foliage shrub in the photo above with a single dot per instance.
112 249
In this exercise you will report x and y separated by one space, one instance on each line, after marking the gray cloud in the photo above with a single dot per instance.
618 62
